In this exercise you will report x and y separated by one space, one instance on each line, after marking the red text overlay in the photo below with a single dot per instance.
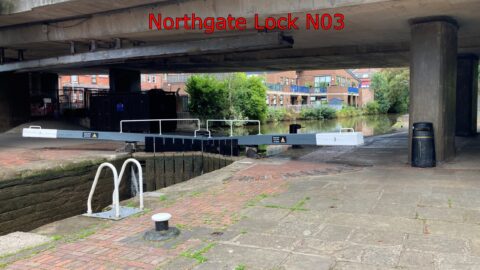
209 25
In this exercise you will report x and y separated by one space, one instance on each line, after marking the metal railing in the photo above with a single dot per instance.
140 178
115 197
231 124
160 123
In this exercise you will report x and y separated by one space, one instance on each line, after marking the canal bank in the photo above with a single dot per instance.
36 197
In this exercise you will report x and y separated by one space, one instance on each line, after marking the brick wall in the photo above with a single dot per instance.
31 202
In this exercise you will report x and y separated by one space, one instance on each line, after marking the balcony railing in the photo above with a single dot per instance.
274 87
299 89
352 90
319 90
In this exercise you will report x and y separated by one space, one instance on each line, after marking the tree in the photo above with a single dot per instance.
392 90
208 97
236 97
248 96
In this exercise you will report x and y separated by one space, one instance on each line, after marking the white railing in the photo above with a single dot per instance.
231 124
115 197
140 178
160 123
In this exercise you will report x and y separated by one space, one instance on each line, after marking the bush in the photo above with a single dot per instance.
372 108
274 114
317 113
280 114
348 111
238 97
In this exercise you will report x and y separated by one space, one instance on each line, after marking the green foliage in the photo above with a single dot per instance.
372 108
392 90
349 111
280 114
237 97
240 267
208 97
317 113
198 255
247 96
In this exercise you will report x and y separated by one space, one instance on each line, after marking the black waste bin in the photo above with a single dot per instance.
423 145
294 128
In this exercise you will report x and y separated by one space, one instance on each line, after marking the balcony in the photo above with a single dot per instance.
274 87
352 90
299 89
319 90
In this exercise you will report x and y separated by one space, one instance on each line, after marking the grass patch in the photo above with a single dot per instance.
195 194
162 198
240 267
198 255
57 237
131 204
450 203
298 206
257 199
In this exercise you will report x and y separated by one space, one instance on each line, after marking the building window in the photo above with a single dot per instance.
74 78
322 81
94 79
341 81
143 78
154 79
281 100
149 78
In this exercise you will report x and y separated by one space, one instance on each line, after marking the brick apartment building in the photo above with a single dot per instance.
313 87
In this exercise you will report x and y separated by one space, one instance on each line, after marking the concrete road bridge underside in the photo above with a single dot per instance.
438 39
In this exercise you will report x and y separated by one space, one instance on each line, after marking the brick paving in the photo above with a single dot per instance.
216 208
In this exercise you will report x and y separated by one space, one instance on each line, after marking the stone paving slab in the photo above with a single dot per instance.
17 241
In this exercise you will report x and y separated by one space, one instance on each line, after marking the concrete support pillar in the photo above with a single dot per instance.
124 81
433 76
467 95
14 99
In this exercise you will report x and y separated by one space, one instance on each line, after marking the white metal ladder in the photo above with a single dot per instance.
117 212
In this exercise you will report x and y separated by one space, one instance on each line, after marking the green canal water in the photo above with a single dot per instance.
368 125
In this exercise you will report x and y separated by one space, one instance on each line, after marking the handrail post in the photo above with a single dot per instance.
160 126
209 133
115 199
140 177
231 128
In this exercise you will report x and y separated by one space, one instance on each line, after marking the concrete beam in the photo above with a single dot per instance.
260 41
467 95
433 76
